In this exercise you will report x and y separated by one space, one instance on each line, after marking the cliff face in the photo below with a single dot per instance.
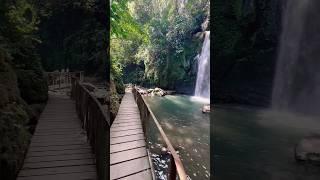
246 34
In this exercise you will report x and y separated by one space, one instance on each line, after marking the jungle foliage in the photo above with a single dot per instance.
74 35
154 43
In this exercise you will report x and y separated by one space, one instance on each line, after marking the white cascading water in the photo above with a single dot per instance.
297 79
202 89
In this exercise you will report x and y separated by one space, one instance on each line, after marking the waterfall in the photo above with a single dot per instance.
203 76
297 79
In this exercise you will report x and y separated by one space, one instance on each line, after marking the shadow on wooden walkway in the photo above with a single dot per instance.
59 147
128 154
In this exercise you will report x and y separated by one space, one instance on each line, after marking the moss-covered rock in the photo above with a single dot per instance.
14 119
14 139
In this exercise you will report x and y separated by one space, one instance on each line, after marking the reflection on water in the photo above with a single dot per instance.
188 130
257 144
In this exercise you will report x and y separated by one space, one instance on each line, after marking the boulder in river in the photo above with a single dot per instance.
206 108
159 92
156 92
308 149
142 91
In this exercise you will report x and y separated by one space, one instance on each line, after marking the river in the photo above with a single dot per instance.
258 144
188 130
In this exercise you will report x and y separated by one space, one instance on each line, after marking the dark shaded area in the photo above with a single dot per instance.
23 87
56 34
246 34
74 36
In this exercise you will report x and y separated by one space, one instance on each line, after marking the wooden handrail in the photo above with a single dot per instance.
62 79
96 122
177 165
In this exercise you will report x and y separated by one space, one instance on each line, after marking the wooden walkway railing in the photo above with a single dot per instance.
176 166
58 80
96 123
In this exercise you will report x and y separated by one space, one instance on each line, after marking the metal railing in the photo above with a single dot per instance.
176 166
95 120
59 80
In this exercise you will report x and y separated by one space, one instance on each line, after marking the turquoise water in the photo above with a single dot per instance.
258 144
188 130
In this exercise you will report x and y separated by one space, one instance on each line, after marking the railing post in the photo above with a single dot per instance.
173 170
53 82
59 80
96 125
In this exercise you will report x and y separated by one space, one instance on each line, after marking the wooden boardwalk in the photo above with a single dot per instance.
59 148
128 154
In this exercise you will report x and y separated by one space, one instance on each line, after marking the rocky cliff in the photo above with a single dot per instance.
246 34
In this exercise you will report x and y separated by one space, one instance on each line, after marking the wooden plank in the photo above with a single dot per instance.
61 120
62 143
125 128
72 131
59 163
129 167
67 176
66 132
57 170
128 117
131 109
126 121
57 117
49 129
126 112
55 143
58 125
126 124
146 174
126 139
127 145
58 157
39 150
47 139
54 148
58 152
127 155
125 133
57 136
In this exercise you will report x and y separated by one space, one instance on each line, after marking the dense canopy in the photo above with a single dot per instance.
155 42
